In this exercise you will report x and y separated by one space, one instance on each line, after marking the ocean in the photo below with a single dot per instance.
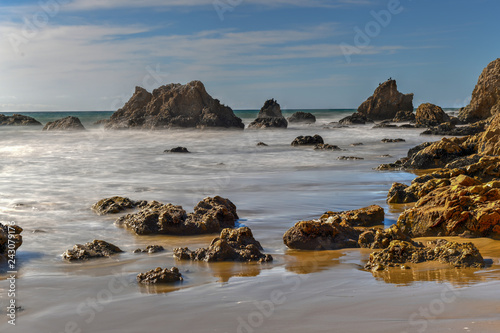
49 181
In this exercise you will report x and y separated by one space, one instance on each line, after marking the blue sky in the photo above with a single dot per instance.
90 54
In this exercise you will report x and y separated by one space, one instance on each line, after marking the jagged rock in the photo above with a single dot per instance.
325 146
466 205
450 129
18 120
386 102
349 158
307 140
321 235
232 245
418 148
262 144
485 100
14 233
403 116
160 275
94 249
392 140
65 124
400 193
269 116
385 124
302 117
150 249
355 119
357 144
113 205
440 153
210 215
363 217
399 253
177 150
381 239
174 105
429 115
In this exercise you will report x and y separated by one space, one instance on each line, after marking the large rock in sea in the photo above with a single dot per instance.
173 105
429 115
302 117
232 245
486 95
269 116
18 120
65 124
210 215
386 101
307 140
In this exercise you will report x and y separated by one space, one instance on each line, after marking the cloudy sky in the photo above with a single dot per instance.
90 54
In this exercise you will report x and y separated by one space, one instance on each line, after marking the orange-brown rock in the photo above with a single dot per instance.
466 205
485 100
428 115
363 217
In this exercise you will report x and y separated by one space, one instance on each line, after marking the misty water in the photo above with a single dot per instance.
49 181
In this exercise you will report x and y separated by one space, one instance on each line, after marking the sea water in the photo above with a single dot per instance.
49 181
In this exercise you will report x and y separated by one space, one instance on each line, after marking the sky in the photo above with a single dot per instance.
84 55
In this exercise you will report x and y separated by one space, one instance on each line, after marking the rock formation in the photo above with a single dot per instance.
18 120
94 249
232 245
486 95
362 217
269 116
356 118
302 117
398 253
114 205
429 115
65 124
403 116
160 275
210 215
150 249
173 105
449 129
12 232
386 102
307 140
381 239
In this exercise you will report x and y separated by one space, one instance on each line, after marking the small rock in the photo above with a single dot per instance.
307 140
65 124
323 146
94 249
150 249
160 275
262 144
177 150
392 140
350 158
302 117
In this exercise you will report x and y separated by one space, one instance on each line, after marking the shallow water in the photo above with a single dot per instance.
50 180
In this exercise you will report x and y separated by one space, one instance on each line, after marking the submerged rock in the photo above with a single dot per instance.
18 120
302 117
399 253
177 150
349 158
355 119
262 144
325 146
160 275
232 245
150 249
485 100
386 102
307 140
269 116
94 249
12 232
210 215
113 205
174 105
429 115
392 140
65 124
